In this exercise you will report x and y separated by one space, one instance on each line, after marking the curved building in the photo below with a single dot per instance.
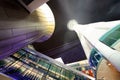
33 33
18 28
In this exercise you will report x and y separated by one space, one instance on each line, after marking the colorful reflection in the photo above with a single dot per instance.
24 65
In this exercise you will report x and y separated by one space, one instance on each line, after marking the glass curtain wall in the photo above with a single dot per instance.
27 66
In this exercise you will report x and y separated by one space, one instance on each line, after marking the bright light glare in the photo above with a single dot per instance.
72 24
47 12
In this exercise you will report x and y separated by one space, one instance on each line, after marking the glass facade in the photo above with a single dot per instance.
111 37
27 66
95 57
85 68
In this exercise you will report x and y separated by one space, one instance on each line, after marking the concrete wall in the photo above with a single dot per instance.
35 4
18 28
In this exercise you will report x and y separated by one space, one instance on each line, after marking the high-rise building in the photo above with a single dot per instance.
33 33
